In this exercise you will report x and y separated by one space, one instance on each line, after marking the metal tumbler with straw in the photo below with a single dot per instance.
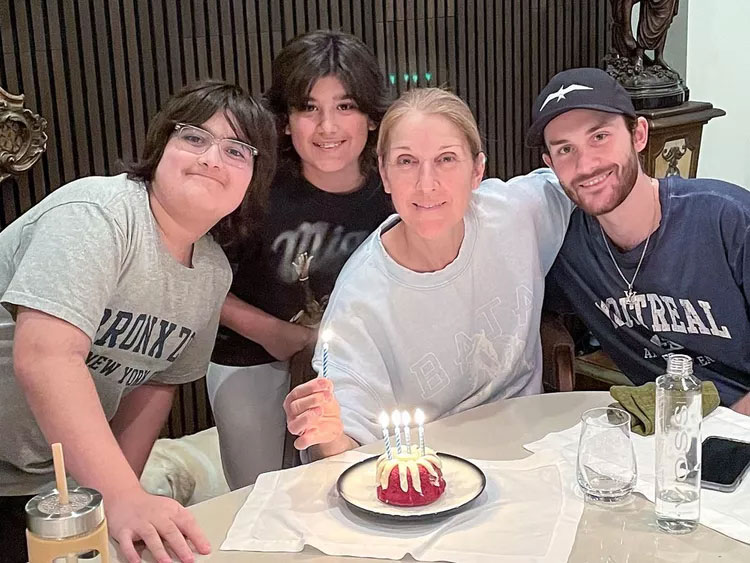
62 525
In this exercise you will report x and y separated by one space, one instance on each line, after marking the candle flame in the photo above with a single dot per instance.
396 418
327 335
405 418
384 419
419 417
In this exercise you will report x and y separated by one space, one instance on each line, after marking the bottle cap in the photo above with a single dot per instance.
48 518
679 365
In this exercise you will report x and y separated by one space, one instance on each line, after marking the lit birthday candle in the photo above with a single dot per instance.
326 337
406 419
386 438
396 419
419 419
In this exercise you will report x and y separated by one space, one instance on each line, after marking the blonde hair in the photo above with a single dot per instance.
430 101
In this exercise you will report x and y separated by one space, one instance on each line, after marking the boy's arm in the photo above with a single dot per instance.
49 357
139 419
280 338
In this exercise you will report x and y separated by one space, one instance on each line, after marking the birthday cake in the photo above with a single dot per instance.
409 478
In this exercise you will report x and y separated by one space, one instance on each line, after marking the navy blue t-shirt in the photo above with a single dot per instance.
691 293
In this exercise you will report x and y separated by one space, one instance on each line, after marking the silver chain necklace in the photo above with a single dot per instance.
630 295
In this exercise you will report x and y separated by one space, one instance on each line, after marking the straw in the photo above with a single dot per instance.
62 486
62 482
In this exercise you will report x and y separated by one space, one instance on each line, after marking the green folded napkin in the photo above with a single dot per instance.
640 402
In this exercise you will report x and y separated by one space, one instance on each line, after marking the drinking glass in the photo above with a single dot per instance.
606 469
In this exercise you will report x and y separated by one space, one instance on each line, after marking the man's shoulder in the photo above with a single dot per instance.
708 199
707 191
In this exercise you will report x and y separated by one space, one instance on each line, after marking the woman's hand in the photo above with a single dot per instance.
158 522
313 414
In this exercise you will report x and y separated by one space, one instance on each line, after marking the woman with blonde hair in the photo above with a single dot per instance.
440 307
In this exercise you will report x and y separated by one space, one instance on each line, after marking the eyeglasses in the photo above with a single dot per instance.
197 141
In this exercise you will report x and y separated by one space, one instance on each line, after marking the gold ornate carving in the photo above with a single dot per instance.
673 155
674 158
22 136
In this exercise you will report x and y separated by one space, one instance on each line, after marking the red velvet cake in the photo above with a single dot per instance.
410 479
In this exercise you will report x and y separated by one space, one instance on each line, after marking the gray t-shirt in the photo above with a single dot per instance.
90 253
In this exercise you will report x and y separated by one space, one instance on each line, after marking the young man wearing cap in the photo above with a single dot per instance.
652 267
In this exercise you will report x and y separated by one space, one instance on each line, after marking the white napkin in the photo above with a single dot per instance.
526 513
728 513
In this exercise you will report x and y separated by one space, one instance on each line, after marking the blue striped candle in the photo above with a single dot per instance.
386 437
406 419
325 359
396 419
419 419
326 336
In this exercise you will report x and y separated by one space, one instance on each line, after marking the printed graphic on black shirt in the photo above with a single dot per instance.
301 219
329 245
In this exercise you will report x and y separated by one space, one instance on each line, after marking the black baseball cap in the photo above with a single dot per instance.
577 88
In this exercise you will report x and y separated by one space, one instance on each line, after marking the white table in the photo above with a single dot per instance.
498 431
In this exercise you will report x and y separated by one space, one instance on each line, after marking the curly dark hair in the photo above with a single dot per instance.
318 54
250 121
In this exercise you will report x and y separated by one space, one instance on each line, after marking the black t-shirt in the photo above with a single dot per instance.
300 218
692 295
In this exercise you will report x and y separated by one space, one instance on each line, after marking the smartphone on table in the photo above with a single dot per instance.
724 463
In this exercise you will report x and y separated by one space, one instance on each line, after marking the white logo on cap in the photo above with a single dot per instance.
560 94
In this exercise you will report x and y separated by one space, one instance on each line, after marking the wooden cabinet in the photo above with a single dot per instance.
674 141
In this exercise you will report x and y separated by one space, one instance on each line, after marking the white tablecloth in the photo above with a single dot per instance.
528 512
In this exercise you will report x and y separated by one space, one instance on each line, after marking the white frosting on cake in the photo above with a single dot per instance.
407 461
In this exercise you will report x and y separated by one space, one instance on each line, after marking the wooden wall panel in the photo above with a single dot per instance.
97 70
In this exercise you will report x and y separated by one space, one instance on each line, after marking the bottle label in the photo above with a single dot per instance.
681 442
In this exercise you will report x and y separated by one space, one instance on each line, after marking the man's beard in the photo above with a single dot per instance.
619 192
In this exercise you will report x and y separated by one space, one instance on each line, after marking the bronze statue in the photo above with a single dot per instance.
655 18
651 82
